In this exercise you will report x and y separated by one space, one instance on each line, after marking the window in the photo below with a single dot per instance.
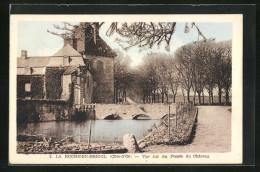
27 87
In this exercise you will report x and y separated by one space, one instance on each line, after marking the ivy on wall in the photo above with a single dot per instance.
54 82
36 86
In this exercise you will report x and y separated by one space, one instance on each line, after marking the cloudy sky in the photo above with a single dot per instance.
33 37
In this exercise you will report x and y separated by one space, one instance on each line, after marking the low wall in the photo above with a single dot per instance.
154 111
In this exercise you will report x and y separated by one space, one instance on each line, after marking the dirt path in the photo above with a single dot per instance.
213 133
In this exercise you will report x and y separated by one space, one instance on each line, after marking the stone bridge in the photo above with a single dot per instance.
133 111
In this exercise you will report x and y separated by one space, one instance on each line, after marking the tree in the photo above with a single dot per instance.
184 56
172 76
150 77
123 76
208 68
141 34
227 68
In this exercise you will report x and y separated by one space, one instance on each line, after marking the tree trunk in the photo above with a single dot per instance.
154 92
209 98
162 97
203 96
199 98
212 97
125 96
194 98
167 97
115 95
158 96
174 95
188 96
118 97
219 95
227 97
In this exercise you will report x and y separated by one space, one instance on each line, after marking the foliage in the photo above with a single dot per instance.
36 87
54 82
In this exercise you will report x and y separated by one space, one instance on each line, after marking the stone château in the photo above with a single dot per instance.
80 73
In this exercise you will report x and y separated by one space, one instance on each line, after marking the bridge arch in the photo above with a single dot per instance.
141 116
113 117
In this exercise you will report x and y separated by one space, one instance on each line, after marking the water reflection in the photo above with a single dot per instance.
106 131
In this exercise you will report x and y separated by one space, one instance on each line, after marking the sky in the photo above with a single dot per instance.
33 37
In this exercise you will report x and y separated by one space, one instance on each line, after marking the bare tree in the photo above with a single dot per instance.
172 76
198 70
227 68
209 68
148 80
123 76
141 34
184 56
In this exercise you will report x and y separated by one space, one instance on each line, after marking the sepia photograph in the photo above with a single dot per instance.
131 89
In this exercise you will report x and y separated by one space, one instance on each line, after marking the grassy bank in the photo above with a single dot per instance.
182 127
60 147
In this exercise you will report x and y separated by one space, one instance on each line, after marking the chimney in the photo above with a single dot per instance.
67 41
24 54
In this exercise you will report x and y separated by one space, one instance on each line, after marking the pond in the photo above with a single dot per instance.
104 131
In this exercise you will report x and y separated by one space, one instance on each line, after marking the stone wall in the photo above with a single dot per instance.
43 110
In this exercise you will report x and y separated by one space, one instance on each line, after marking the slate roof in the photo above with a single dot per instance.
33 71
99 49
49 61
67 51
33 62
58 59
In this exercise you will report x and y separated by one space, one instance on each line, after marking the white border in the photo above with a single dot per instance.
234 157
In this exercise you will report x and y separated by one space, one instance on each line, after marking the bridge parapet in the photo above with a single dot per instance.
154 111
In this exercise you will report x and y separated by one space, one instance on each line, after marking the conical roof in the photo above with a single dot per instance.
67 51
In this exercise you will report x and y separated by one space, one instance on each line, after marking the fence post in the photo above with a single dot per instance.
89 136
176 119
169 121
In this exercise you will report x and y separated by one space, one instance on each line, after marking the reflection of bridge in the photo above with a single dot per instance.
141 116
133 111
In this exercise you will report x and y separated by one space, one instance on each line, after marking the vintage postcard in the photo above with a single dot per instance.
126 89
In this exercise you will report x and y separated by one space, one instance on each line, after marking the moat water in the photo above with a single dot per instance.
104 131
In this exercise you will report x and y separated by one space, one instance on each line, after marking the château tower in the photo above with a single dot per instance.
99 57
